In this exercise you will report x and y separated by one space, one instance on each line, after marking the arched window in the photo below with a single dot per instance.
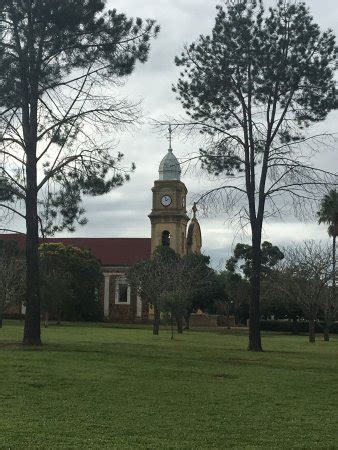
165 238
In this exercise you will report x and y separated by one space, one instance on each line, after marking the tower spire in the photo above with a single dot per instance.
170 137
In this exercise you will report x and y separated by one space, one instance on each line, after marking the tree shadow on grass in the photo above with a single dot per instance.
11 345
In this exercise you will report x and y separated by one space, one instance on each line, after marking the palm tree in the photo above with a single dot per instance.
328 214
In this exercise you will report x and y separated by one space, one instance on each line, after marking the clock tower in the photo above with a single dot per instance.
169 216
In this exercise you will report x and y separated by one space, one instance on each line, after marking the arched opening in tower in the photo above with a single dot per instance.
165 238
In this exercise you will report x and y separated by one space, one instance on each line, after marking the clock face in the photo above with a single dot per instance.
166 200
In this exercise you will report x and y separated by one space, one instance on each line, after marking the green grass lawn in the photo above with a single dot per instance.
96 386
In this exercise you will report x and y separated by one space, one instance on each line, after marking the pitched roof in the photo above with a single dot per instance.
109 251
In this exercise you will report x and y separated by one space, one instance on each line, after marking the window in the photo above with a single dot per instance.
122 292
165 238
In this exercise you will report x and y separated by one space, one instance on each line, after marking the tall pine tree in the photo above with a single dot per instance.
251 88
61 62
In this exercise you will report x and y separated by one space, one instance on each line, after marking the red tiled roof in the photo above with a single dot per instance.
110 251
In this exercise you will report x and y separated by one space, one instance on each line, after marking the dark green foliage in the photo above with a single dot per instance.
206 296
328 212
9 248
12 277
206 290
235 296
166 254
253 54
287 326
6 189
70 280
242 259
64 35
55 282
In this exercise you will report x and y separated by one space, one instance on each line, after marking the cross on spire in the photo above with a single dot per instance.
170 136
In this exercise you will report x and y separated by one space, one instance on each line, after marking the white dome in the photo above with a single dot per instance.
170 168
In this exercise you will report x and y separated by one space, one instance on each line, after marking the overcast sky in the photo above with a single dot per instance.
123 213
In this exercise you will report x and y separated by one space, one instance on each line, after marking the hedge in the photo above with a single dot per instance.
289 326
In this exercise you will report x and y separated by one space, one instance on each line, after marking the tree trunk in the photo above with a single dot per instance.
334 265
329 315
179 321
32 331
255 344
46 319
187 321
1 318
312 333
156 323
172 326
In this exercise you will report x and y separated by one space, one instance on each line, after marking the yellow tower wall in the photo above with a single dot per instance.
172 218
